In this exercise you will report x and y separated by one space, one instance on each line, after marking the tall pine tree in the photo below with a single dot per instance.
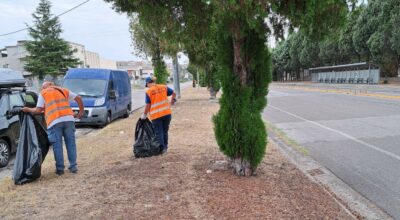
48 53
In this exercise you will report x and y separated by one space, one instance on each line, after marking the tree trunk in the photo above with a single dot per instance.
240 68
241 167
177 87
245 72
213 93
239 62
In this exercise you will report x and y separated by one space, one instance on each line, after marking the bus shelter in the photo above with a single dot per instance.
360 73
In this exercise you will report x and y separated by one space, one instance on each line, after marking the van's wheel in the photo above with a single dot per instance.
4 153
108 120
127 112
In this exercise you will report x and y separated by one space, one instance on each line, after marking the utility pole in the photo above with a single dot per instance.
175 65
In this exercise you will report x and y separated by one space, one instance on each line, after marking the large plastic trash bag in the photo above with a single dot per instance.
146 143
32 149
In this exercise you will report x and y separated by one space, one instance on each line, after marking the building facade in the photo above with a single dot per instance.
92 60
13 57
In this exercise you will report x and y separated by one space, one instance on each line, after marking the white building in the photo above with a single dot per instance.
12 57
80 53
107 63
136 69
92 60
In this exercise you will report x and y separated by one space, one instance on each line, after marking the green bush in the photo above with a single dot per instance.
239 128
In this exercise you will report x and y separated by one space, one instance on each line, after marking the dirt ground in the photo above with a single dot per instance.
191 181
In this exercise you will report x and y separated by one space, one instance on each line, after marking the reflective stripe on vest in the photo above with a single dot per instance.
159 110
48 115
48 105
160 105
56 104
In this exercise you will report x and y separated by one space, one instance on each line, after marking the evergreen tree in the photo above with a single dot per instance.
147 42
242 57
49 54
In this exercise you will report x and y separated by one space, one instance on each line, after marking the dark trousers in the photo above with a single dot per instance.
161 127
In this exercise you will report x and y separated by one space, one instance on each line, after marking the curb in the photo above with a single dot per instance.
353 202
354 92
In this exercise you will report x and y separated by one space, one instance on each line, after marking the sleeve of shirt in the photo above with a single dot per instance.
40 102
147 100
72 96
169 91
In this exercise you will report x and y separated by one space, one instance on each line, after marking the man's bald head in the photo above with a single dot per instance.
46 85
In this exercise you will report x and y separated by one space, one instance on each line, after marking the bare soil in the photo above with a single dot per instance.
191 181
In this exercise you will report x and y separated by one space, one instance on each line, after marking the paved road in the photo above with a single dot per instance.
357 138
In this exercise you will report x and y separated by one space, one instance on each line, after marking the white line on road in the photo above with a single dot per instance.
341 133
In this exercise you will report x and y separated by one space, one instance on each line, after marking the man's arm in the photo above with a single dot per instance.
78 100
173 98
170 92
36 110
39 107
147 108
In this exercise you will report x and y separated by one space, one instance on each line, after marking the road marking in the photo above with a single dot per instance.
341 133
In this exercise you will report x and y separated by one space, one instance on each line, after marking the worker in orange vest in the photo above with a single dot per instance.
158 108
60 120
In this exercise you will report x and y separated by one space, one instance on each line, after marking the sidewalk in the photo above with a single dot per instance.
190 182
382 91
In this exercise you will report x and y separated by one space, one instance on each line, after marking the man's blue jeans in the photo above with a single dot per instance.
161 127
56 134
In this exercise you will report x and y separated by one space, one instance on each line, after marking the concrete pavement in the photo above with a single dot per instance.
355 137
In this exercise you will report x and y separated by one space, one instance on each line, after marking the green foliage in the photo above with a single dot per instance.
309 53
239 128
227 40
147 42
370 33
203 82
281 59
294 52
160 71
49 54
346 45
379 43
395 32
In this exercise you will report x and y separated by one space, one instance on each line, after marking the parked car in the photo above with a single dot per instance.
106 94
12 95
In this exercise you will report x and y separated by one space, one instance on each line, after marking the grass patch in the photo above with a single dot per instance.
286 139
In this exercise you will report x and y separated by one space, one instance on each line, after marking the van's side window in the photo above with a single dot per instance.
110 85
16 100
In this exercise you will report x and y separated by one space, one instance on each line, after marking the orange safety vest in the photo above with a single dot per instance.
160 105
56 103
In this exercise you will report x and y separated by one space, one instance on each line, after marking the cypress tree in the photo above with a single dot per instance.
239 128
49 54
242 57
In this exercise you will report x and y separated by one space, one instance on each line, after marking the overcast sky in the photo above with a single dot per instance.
94 25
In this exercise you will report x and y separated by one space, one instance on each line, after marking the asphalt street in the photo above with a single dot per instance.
357 138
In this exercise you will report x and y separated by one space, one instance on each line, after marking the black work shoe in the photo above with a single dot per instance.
59 172
74 171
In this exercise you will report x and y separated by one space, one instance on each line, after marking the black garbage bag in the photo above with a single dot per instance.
146 143
32 149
